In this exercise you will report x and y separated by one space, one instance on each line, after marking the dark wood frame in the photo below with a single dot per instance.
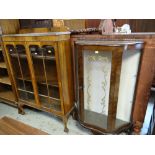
146 73
117 51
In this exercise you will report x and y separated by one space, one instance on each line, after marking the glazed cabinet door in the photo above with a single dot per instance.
16 54
44 61
106 85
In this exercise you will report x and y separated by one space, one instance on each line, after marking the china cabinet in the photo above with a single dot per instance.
106 83
146 70
41 67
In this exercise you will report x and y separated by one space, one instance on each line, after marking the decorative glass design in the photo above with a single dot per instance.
97 70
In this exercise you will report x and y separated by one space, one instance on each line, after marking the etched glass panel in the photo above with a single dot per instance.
97 71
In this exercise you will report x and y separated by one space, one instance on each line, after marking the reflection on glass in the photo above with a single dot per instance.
127 84
21 72
46 75
97 70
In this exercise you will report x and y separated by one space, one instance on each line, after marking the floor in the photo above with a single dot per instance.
43 121
10 126
54 125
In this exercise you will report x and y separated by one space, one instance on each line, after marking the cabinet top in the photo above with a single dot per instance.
50 36
37 34
108 43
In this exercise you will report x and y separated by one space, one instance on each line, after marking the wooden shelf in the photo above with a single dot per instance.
97 119
2 65
41 95
5 80
34 56
25 91
51 82
43 57
7 95
16 55
25 79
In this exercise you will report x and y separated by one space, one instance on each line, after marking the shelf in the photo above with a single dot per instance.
97 119
5 80
30 92
43 57
15 55
2 65
52 83
34 56
7 95
25 91
25 95
25 78
52 98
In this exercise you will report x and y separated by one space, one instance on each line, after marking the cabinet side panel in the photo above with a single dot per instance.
66 72
129 71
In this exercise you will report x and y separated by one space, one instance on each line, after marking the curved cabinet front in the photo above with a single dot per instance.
107 73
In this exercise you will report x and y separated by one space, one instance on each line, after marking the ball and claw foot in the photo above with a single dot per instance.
66 130
21 110
65 124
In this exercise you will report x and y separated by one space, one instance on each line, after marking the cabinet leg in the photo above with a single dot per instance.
65 119
74 115
21 110
137 127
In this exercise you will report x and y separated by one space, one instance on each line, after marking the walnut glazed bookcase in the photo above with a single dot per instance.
41 67
7 91
106 77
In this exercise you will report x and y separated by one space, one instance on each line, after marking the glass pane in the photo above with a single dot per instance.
23 62
55 104
21 71
97 71
20 84
42 88
54 91
52 79
28 85
22 94
38 63
44 101
14 60
51 72
45 73
49 51
129 71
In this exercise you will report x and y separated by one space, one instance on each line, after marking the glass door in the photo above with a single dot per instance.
18 59
99 70
45 67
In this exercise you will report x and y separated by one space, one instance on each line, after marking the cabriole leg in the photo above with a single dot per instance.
65 119
21 110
